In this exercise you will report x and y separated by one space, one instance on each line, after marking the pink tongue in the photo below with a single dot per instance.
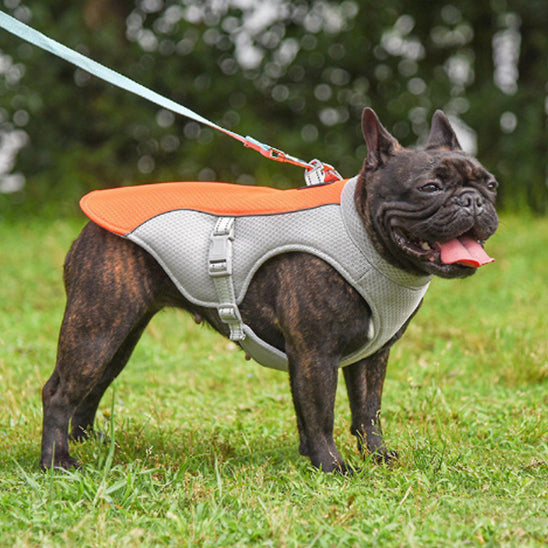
465 251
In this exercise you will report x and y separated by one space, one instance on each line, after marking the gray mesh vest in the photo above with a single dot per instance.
181 241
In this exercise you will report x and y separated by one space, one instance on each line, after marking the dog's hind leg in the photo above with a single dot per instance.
82 421
112 288
74 390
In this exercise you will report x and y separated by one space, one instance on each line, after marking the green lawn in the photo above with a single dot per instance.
205 444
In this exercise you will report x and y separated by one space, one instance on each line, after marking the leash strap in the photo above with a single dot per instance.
40 40
220 272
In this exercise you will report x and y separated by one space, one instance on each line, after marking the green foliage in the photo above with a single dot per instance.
295 75
201 446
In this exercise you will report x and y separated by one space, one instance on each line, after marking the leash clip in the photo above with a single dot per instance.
265 150
320 174
316 172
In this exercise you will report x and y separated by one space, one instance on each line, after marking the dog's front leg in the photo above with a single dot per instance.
364 384
313 386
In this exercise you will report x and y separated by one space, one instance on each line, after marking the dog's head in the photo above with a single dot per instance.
427 211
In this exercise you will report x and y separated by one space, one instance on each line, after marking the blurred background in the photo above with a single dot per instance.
293 74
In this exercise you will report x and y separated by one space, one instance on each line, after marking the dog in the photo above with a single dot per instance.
423 213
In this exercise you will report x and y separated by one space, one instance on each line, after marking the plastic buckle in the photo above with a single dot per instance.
218 269
229 313
220 249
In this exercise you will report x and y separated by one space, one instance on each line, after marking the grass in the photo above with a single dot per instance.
201 445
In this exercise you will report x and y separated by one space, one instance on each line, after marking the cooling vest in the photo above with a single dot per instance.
211 238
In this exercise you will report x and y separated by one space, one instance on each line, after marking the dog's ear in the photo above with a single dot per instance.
442 135
380 144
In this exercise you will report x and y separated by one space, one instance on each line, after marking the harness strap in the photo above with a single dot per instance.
36 38
220 272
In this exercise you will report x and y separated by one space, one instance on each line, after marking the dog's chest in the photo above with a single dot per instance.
212 249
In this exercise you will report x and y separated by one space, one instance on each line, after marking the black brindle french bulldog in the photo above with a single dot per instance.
408 200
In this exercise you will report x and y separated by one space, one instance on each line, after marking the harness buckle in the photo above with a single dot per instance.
229 313
220 248
218 269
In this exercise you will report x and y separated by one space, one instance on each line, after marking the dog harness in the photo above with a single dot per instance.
211 238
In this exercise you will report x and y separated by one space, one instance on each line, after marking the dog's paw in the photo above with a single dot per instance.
338 467
346 470
385 457
61 463
80 434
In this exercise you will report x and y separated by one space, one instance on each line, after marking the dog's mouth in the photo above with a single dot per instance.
464 250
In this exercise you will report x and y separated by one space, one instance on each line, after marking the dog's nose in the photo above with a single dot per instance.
472 201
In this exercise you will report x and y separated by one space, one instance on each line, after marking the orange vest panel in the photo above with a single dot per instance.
123 209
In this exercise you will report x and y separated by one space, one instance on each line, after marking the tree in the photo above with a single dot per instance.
293 74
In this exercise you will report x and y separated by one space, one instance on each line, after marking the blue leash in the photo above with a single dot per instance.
316 172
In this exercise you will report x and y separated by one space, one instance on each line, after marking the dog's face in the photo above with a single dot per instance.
428 211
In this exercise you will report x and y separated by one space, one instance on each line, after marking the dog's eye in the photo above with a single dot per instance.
430 187
492 185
